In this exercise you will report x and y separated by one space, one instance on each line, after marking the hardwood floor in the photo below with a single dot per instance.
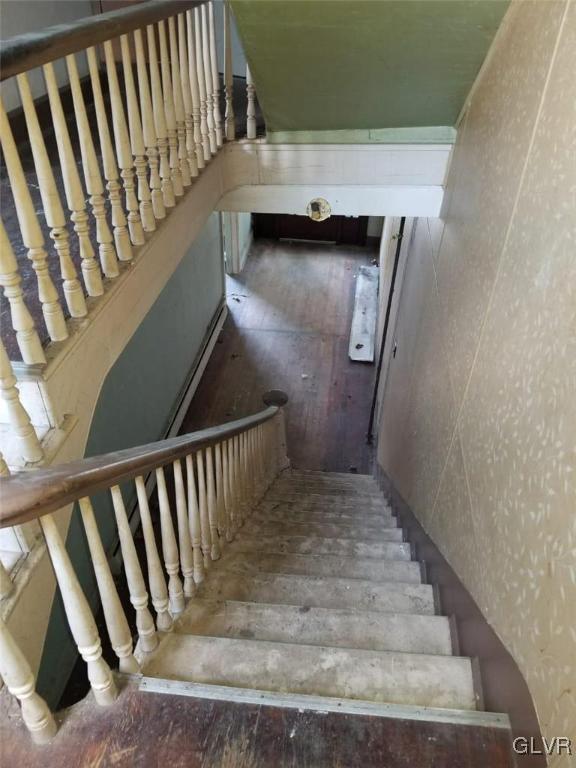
146 729
288 328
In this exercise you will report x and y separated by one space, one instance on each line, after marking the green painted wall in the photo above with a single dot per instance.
331 65
136 406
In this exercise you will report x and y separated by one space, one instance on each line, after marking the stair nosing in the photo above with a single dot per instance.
325 703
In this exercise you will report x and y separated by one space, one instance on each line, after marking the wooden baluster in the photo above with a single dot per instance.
75 197
194 90
160 120
257 462
119 223
169 546
215 76
251 106
51 204
251 468
22 323
234 522
184 542
175 172
137 140
226 501
134 577
208 79
244 472
204 133
220 508
211 501
80 619
6 585
31 233
116 622
148 128
92 177
156 579
203 507
238 481
229 118
194 522
28 444
19 679
187 97
183 162
261 462
123 150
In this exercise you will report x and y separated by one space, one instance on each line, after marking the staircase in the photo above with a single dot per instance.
317 602
295 589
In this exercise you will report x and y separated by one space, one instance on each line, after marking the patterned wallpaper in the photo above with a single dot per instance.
479 420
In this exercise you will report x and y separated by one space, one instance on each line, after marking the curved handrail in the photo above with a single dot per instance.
24 52
29 495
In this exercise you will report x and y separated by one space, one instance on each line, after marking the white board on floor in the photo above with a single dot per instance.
363 330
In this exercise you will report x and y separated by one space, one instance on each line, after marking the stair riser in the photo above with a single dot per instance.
350 493
327 476
326 565
322 592
317 626
349 515
326 530
334 518
432 681
305 545
352 503
300 486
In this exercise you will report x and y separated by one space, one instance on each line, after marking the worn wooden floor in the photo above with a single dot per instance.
289 326
146 730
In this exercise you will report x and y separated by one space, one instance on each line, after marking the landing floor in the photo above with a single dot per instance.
288 328
145 730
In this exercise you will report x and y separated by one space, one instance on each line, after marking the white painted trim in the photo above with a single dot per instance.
325 703
344 200
235 254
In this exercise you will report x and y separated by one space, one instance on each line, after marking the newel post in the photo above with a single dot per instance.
279 399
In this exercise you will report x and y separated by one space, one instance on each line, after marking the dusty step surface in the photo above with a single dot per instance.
306 545
324 565
277 510
398 678
320 591
341 530
328 501
334 627
314 486
315 474
292 490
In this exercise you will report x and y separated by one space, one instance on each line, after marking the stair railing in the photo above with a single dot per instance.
219 475
147 121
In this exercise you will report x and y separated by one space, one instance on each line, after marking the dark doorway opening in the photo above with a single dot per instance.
341 230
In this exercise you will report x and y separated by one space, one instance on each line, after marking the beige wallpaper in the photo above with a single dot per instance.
479 420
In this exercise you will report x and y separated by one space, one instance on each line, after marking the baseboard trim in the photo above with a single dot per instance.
191 386
324 703
499 678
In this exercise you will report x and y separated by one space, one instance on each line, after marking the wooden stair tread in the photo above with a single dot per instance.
386 676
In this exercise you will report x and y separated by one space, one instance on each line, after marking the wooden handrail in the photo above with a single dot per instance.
29 495
33 49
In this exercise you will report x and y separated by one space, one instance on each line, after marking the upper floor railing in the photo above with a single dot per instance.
147 119
217 475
